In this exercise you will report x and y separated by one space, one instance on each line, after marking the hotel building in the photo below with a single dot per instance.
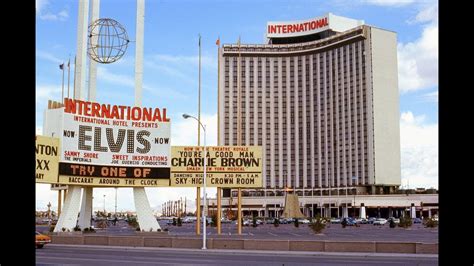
321 98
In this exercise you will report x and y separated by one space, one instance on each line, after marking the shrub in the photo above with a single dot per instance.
392 224
344 222
86 229
297 223
63 229
77 228
430 222
137 229
132 221
51 228
158 230
174 221
318 224
214 220
276 222
405 222
254 221
102 224
165 230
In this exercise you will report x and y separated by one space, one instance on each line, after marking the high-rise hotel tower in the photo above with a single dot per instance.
322 99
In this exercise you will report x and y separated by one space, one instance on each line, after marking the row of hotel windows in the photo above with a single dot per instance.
344 51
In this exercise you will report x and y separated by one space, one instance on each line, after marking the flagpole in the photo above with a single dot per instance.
219 189
62 88
68 75
74 84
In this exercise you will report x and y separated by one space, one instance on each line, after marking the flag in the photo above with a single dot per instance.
61 66
68 63
238 41
199 40
218 42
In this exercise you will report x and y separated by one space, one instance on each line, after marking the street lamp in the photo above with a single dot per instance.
104 204
353 205
186 116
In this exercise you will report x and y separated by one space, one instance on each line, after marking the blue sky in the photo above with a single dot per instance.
171 66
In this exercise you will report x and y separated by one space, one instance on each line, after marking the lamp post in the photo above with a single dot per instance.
115 214
186 116
104 204
353 205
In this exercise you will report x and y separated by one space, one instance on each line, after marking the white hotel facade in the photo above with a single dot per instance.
321 98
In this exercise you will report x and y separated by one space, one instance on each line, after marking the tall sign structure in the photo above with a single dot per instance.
72 203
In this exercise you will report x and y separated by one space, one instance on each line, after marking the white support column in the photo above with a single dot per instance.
362 211
81 54
68 218
412 211
139 51
92 63
145 217
86 208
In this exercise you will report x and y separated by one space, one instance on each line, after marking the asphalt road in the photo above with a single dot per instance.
92 255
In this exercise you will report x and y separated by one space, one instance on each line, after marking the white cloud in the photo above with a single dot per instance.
106 75
49 57
419 151
44 13
206 61
48 92
60 16
431 97
418 61
389 2
184 131
428 14
40 5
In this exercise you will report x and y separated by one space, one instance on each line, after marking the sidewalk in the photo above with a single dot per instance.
263 252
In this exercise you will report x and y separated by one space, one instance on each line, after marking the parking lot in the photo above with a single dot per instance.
364 232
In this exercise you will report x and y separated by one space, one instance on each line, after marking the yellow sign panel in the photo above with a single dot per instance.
226 166
47 159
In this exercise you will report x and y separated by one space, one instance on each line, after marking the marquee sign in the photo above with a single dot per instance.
47 157
226 166
113 145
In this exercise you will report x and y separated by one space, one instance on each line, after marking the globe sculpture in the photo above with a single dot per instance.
108 41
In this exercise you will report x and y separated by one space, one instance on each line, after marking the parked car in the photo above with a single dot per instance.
380 221
41 240
417 221
336 220
371 220
395 220
350 221
225 221
304 221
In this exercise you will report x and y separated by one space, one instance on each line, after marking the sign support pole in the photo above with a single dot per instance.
59 202
239 211
219 210
198 210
